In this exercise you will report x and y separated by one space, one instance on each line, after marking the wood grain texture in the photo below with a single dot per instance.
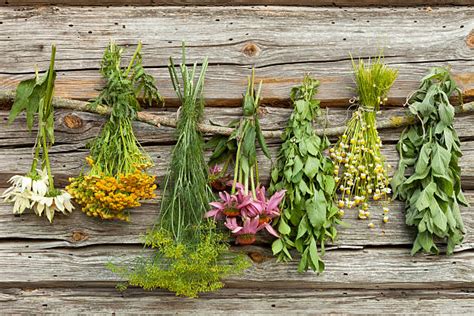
36 264
69 160
254 301
330 3
283 43
78 230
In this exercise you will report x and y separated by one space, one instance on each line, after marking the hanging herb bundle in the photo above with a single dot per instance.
360 168
431 150
246 210
36 189
309 214
190 256
117 179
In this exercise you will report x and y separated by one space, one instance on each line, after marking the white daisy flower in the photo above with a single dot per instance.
51 204
21 200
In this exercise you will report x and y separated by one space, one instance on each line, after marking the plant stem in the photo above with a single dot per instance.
132 61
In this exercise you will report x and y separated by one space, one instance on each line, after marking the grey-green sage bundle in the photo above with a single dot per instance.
428 178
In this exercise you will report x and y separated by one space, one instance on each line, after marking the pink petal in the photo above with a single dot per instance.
270 229
217 205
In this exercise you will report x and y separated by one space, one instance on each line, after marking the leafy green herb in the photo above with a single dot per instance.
309 215
431 152
360 169
116 150
117 180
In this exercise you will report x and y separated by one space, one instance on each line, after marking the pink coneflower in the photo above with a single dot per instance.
246 234
269 208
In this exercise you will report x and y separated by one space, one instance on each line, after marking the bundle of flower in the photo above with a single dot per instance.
36 189
360 168
190 256
431 151
117 179
246 210
309 214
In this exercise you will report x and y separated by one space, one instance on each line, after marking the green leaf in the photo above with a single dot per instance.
261 139
277 246
302 227
312 144
316 210
446 113
313 253
441 157
284 228
311 166
298 166
23 93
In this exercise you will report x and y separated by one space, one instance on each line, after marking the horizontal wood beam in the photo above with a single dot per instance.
330 3
283 43
107 300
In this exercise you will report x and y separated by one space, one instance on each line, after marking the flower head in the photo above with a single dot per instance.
59 201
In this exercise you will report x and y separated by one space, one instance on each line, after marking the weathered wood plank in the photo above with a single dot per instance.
79 230
385 268
330 3
234 301
282 42
78 128
68 160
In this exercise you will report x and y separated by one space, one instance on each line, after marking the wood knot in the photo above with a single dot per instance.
73 121
470 39
79 236
256 257
251 50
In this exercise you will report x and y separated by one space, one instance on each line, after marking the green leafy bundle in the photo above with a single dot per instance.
309 214
116 150
186 191
117 180
180 268
36 189
240 146
431 151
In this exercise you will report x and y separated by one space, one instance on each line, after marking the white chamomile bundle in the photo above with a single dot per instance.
36 189
360 169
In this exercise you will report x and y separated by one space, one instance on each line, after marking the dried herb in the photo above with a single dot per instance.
430 151
309 214
246 210
181 268
188 251
186 191
36 189
117 180
360 169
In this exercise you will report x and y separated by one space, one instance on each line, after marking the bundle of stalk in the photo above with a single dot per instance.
360 168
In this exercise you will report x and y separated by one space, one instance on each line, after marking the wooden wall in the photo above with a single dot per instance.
60 267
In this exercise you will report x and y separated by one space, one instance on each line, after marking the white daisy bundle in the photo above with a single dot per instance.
36 190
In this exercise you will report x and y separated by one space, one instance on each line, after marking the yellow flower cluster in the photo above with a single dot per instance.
110 197
360 171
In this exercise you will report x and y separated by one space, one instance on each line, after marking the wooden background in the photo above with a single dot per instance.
60 267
